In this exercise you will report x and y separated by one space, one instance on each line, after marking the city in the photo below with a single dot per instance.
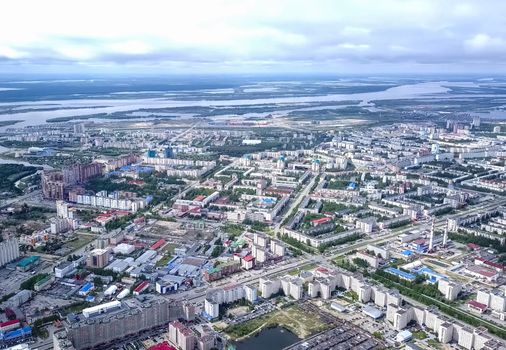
213 209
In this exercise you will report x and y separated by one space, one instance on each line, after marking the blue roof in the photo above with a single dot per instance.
26 330
407 252
402 274
431 274
86 287
352 185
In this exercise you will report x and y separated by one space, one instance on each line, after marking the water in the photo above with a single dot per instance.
275 338
38 101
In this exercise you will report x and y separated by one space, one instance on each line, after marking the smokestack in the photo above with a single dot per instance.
445 235
431 237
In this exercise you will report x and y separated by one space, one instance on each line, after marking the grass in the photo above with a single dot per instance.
420 335
296 271
293 318
80 242
170 248
434 344
164 260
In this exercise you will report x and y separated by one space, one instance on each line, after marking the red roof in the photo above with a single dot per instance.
494 264
322 269
162 346
248 258
320 220
141 287
490 263
158 244
199 198
136 182
473 246
8 323
477 305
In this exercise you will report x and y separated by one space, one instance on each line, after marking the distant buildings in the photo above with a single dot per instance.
56 184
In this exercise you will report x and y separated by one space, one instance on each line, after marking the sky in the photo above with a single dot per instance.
252 36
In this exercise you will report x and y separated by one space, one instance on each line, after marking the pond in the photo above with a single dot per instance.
275 338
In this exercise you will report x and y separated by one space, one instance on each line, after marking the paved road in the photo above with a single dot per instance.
296 202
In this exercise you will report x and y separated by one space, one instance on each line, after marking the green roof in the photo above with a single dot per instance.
44 280
28 261
239 243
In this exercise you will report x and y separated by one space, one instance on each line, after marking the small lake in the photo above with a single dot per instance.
275 338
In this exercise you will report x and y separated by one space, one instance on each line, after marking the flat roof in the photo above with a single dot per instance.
28 260
400 273
104 307
372 312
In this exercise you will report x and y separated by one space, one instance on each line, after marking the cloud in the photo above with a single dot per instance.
221 35
484 42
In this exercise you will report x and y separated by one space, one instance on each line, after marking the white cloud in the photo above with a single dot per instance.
485 42
10 53
253 33
131 47
355 47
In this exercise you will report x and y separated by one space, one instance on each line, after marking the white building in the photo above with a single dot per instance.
211 308
9 251
269 287
449 289
277 248
251 294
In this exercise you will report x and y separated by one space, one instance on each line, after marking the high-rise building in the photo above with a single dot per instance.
181 336
476 121
9 251
62 209
98 258
53 185
121 319
79 128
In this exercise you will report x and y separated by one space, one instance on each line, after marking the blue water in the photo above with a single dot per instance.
275 338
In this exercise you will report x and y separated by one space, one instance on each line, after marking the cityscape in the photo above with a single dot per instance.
282 208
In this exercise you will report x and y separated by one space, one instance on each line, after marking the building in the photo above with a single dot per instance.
9 251
211 308
44 283
181 336
53 185
105 323
449 289
56 184
250 293
494 299
27 263
215 273
98 258
269 287
371 260
9 325
141 288
277 248
206 342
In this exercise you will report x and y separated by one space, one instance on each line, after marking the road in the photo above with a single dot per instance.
296 202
